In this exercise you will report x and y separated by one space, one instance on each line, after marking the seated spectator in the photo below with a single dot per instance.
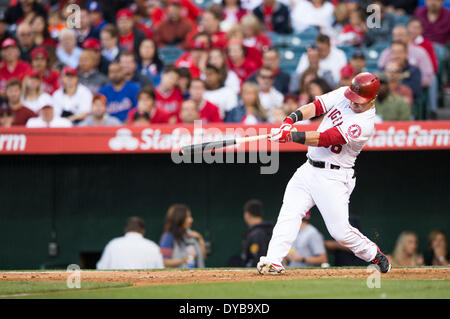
120 94
100 62
239 62
159 11
73 100
20 113
353 33
394 75
85 30
274 16
184 81
218 94
195 58
402 7
175 28
48 118
99 115
168 96
95 16
435 19
40 33
127 61
290 104
417 56
389 105
415 31
67 51
18 11
11 67
88 74
358 62
141 118
308 249
180 246
56 23
381 33
309 75
189 112
232 13
150 63
130 37
25 39
250 111
6 115
317 87
236 35
437 253
109 39
346 76
33 95
410 74
405 251
254 36
132 251
228 77
278 115
208 112
40 62
210 24
269 96
146 104
314 13
341 17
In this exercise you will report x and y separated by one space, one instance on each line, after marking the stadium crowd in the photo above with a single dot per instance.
244 61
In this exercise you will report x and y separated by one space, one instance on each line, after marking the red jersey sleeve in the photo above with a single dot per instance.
330 137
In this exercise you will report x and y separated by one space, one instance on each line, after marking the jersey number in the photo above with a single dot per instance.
336 148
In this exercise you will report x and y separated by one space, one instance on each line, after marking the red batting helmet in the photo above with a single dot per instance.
364 88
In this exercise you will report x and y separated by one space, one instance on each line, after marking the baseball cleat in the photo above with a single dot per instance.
266 267
382 261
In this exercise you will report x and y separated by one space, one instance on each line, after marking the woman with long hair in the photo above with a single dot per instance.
437 254
181 246
405 251
254 36
249 111
41 34
33 95
232 13
150 63
217 58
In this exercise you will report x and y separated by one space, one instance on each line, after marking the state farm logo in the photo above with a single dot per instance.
124 140
354 131
12 142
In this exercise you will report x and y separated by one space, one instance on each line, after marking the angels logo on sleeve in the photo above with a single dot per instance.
354 131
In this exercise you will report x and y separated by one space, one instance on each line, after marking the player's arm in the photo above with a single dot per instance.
330 137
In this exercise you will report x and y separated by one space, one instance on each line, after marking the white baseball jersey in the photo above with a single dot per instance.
356 128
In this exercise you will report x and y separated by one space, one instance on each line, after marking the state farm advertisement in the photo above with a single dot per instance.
423 135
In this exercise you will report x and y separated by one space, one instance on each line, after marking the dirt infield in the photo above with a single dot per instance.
164 277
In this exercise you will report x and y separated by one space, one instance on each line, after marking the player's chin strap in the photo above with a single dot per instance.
298 137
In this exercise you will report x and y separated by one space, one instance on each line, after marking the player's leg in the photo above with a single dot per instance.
296 202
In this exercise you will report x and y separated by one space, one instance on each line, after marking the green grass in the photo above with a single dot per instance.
279 289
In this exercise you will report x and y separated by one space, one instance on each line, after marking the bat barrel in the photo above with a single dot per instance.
207 147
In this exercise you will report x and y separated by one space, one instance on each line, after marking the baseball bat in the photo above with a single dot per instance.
210 146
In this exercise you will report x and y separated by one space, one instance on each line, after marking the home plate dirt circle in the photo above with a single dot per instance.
166 277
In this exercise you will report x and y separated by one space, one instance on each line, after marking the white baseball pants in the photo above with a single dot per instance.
329 190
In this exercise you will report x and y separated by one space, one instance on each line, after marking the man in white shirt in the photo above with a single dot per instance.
132 251
48 118
315 13
269 96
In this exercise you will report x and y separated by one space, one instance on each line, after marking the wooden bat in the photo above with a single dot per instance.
210 146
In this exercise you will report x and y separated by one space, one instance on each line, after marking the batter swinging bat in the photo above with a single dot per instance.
210 146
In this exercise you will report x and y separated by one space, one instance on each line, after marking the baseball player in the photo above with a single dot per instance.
327 178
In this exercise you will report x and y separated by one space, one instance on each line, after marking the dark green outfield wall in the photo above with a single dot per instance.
87 198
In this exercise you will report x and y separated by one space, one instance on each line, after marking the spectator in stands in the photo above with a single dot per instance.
195 58
254 36
175 28
11 66
346 76
394 75
417 56
73 100
109 39
239 62
341 16
210 24
390 105
184 81
269 96
40 33
25 39
88 74
382 32
20 113
33 95
98 115
317 87
150 63
435 19
95 16
437 253
405 251
353 32
271 59
228 77
85 30
308 249
402 7
236 34
120 94
232 13
141 119
132 251
309 75
312 14
411 75
189 112
159 11
274 16
100 62
127 61
130 37
356 65
168 96
40 63
68 52
181 246
278 115
48 118
4 30
24 10
218 94
290 103
56 23
6 115
208 112
146 103
249 111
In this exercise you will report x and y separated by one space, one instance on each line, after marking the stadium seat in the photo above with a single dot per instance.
170 53
401 19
